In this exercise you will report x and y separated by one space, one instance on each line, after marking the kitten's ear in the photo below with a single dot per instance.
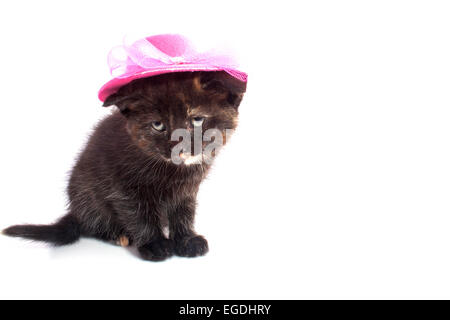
226 84
123 102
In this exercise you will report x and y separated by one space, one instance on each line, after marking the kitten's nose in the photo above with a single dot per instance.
184 155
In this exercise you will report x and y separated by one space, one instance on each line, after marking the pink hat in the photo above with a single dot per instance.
162 54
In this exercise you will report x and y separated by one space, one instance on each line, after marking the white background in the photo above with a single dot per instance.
336 184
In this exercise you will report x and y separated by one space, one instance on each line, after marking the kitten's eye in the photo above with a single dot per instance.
197 121
158 125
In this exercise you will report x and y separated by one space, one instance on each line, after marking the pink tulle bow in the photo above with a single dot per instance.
143 55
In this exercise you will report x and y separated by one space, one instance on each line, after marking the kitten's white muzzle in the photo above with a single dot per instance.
188 159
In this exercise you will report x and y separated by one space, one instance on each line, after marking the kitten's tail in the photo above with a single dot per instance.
65 231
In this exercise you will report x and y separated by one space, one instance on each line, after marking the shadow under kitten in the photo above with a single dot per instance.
125 187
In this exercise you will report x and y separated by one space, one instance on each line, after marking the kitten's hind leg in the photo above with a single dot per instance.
123 241
114 238
157 250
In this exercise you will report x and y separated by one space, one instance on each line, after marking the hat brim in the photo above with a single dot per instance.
113 85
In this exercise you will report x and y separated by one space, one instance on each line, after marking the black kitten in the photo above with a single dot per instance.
126 186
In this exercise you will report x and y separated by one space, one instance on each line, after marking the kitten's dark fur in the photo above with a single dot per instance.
124 183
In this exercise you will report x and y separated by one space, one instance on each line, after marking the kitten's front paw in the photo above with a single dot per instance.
191 247
157 250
